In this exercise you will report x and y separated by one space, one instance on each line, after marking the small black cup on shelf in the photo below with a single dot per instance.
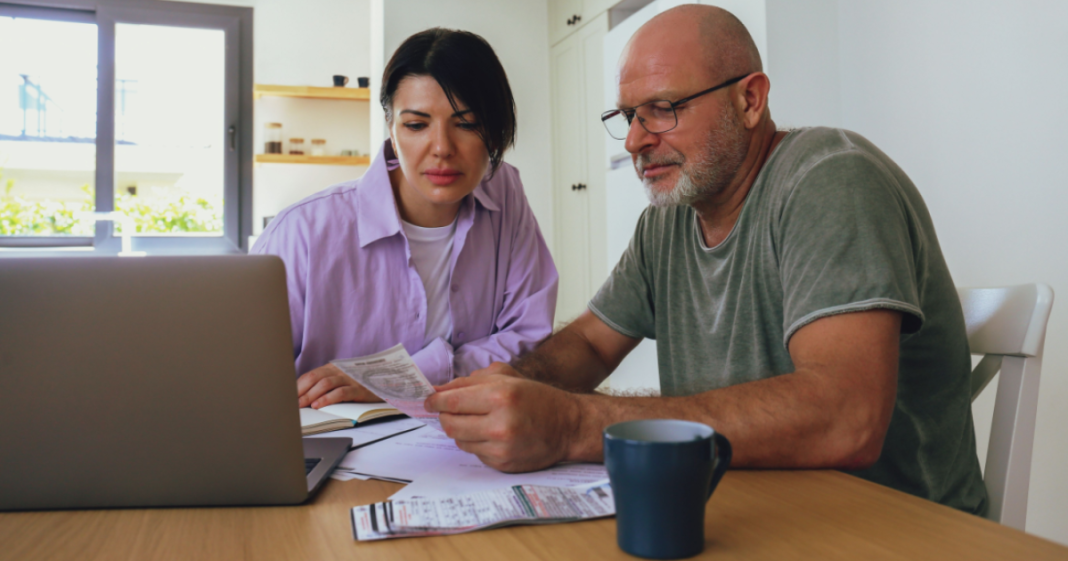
363 82
340 81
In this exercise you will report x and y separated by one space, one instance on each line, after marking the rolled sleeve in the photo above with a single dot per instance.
435 361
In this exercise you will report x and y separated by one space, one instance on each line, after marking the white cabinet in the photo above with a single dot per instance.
565 16
568 16
578 172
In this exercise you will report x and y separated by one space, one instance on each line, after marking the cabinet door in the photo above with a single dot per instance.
562 18
592 38
578 170
571 212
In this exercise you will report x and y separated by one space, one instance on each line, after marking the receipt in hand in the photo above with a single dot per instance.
393 376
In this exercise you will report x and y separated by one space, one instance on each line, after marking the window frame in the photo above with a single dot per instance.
236 23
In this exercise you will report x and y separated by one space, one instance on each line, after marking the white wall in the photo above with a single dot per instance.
969 98
519 34
304 44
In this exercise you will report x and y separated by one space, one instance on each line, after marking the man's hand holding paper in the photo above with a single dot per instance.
500 417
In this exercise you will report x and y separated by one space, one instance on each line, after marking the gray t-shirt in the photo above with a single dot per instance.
831 225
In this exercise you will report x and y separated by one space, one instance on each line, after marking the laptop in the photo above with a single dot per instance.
150 382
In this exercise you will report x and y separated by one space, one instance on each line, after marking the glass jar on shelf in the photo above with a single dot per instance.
272 138
296 146
318 147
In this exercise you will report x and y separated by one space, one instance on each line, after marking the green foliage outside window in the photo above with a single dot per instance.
176 214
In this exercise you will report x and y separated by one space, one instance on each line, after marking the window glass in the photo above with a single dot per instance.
170 131
48 90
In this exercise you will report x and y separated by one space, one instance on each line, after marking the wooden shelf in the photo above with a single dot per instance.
311 92
323 160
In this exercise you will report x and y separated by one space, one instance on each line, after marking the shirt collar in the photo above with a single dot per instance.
377 216
377 213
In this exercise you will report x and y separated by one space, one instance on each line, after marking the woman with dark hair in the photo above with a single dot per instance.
434 247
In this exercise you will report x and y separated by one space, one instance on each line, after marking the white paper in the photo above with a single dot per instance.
450 480
393 376
342 475
521 504
365 477
365 434
407 456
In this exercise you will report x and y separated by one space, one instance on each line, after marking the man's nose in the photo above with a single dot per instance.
638 139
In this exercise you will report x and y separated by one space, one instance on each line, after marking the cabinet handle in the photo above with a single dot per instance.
233 137
582 186
577 18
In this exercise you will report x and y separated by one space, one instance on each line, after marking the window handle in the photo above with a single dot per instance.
233 137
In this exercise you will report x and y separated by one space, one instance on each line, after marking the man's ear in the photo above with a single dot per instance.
752 100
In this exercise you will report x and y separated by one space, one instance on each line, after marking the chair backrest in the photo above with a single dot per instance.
1008 326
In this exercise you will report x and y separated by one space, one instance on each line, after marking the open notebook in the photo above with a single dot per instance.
342 416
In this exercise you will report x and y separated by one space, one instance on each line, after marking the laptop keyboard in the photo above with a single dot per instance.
310 463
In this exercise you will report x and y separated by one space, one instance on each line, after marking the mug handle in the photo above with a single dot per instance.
722 460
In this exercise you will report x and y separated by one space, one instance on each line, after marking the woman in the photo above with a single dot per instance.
434 247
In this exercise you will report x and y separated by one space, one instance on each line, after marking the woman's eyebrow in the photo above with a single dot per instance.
427 115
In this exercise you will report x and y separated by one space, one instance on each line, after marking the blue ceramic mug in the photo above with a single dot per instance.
663 472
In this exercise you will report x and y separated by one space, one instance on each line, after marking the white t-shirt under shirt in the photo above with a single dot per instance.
431 253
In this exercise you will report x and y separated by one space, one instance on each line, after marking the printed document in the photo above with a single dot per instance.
520 504
393 376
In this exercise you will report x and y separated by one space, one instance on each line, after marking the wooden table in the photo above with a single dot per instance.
753 515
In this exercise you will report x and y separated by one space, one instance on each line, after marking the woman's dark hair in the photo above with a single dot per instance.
467 69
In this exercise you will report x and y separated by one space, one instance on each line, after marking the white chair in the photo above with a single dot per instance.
1008 326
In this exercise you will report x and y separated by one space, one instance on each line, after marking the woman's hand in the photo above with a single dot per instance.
328 385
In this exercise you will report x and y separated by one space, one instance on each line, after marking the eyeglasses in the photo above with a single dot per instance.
655 116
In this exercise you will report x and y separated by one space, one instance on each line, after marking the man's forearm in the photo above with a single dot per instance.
565 361
791 420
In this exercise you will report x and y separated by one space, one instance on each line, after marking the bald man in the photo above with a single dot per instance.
792 281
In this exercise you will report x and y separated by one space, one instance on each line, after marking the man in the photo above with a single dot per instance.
792 280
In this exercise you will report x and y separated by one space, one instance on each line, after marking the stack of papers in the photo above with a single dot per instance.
435 467
521 504
451 491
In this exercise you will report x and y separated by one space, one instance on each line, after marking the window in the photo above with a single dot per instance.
124 116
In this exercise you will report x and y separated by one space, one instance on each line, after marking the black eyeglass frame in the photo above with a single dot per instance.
629 114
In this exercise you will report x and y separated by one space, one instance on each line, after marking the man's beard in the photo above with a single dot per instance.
720 157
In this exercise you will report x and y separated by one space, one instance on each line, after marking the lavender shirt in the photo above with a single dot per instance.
354 291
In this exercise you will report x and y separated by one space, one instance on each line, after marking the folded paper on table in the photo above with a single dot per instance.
393 376
520 504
